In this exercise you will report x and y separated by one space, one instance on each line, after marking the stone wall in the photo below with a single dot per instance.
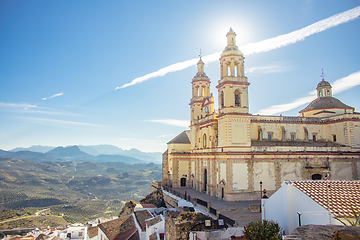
170 201
155 186
179 224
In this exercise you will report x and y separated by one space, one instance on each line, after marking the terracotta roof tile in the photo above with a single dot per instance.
153 221
148 205
153 236
92 231
325 103
141 217
336 196
181 138
120 228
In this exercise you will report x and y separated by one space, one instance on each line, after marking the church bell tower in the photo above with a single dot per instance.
200 91
233 85
234 117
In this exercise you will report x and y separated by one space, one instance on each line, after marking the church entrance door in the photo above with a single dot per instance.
183 182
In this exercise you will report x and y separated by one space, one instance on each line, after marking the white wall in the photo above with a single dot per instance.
275 208
158 227
284 204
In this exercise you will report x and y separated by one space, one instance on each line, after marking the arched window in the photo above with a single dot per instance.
328 93
204 140
229 70
320 95
260 133
222 99
306 134
283 134
237 98
236 71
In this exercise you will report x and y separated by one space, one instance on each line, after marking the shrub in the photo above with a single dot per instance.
355 223
263 230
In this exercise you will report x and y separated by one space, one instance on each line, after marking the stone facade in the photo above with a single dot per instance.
229 153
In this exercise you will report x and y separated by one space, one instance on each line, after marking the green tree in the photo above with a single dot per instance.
264 230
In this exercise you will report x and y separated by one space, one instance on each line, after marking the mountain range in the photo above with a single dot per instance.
93 153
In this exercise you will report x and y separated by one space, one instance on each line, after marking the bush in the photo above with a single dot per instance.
263 230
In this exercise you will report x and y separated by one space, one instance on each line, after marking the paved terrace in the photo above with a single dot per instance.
241 212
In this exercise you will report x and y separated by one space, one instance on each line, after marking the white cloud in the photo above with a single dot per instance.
63 123
273 68
23 106
288 106
55 95
165 136
338 86
173 122
31 108
262 46
301 34
346 83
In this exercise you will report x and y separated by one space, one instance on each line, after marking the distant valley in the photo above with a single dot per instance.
88 185
95 153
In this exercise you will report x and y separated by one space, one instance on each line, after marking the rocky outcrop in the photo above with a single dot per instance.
155 198
348 233
127 209
325 232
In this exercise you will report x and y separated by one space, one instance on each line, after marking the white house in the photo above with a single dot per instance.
75 231
130 227
156 226
299 203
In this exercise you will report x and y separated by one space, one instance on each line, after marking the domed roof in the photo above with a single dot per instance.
231 32
323 83
325 103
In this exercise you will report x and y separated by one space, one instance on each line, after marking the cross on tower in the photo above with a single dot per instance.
322 74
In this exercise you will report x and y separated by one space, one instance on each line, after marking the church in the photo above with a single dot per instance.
234 155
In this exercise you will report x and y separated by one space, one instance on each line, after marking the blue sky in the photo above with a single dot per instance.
61 61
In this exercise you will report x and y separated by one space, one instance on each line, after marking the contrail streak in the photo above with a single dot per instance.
338 86
262 46
55 95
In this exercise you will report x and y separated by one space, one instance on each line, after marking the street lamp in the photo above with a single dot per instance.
260 194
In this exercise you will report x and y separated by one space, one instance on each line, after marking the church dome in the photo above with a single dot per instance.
325 103
323 83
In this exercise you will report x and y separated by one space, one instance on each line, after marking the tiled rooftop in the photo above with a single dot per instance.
181 138
336 196
141 216
92 231
120 228
144 205
153 221
153 236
